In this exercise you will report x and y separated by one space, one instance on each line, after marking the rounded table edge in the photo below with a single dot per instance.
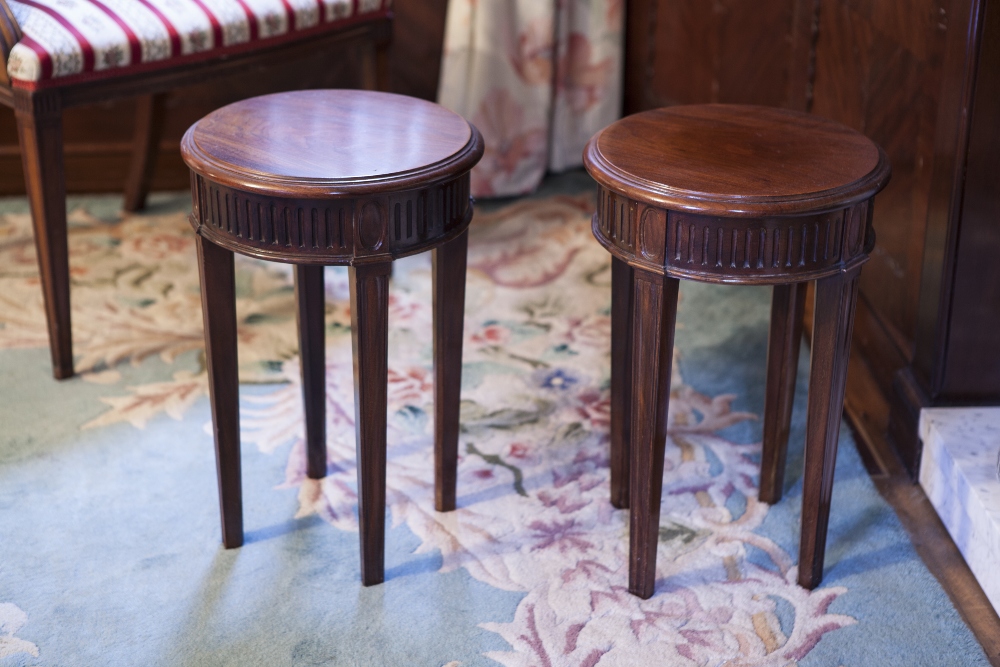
609 176
269 185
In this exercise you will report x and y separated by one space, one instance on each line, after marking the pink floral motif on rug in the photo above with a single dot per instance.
533 491
533 513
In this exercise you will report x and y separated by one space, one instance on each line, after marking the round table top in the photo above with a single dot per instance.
736 160
331 142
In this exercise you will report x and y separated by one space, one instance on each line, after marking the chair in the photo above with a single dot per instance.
58 54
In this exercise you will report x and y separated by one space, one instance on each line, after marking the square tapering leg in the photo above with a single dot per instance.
369 335
40 132
621 380
784 338
448 262
310 300
836 298
218 307
655 306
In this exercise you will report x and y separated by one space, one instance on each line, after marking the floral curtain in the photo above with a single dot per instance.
537 77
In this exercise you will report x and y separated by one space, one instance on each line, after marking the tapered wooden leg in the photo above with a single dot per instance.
621 379
39 128
833 322
375 68
448 272
785 337
654 302
369 334
310 315
218 308
149 115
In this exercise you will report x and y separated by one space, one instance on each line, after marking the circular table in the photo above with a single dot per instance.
334 177
742 195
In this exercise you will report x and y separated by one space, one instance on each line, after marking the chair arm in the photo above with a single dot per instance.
10 34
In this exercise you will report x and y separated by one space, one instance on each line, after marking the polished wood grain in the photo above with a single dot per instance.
39 112
836 297
448 262
744 195
956 359
268 143
417 47
218 309
622 278
314 213
733 51
784 339
149 121
910 75
310 317
654 297
726 160
370 343
98 138
39 126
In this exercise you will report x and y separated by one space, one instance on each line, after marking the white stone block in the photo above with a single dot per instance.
958 471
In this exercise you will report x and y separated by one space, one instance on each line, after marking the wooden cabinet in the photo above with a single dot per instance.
920 77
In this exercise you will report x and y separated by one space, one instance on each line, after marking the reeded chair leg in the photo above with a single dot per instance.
836 298
655 304
621 380
310 316
448 271
369 335
785 337
218 307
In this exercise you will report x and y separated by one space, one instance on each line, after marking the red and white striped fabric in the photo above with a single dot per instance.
68 40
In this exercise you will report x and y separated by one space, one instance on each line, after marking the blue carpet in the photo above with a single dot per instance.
109 529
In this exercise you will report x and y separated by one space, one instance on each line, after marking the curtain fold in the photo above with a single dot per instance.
537 77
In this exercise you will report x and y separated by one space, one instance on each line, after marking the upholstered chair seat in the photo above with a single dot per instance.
72 40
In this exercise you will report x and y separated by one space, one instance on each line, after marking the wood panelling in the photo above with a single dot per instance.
746 51
903 73
98 137
971 369
417 42
878 69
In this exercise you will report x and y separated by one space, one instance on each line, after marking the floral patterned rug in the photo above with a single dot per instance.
109 548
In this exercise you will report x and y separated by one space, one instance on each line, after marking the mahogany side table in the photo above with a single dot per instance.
740 195
334 177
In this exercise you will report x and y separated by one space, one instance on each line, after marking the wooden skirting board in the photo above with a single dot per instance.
867 412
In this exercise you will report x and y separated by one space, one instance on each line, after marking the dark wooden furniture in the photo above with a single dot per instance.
39 120
741 195
919 78
320 178
97 139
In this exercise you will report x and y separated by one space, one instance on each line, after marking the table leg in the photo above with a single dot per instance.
654 299
369 335
448 273
621 380
218 307
310 315
836 297
785 336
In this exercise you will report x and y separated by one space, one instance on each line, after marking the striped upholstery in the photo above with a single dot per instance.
70 40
